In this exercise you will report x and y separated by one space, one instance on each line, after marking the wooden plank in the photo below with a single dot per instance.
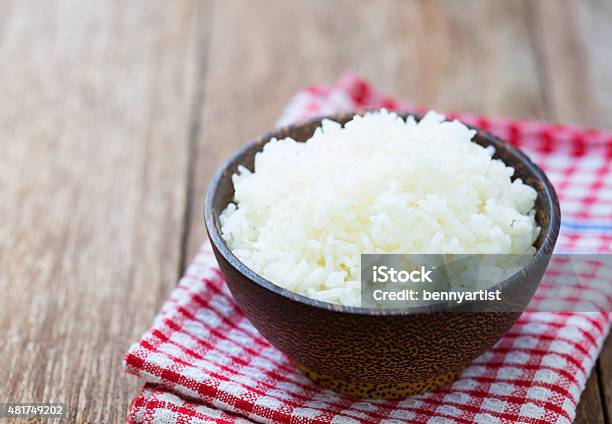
482 62
590 409
471 56
573 43
605 378
573 39
94 130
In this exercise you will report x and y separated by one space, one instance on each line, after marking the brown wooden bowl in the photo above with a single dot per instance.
380 353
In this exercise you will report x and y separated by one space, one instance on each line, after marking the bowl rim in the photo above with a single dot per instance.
542 254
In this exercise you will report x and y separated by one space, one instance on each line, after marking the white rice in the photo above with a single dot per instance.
379 185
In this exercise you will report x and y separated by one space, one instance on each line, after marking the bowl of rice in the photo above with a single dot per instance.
290 214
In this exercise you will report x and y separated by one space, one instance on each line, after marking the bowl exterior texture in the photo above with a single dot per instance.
374 353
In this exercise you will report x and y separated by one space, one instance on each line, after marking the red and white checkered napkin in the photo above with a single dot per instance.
203 361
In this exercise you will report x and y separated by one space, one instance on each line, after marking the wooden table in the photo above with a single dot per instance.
114 114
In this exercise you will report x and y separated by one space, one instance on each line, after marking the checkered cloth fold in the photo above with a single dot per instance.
202 361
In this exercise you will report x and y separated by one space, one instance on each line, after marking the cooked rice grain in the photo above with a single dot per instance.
377 185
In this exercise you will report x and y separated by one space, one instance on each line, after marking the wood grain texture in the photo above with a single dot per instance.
94 129
572 40
487 57
471 56
604 370
572 43
590 409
